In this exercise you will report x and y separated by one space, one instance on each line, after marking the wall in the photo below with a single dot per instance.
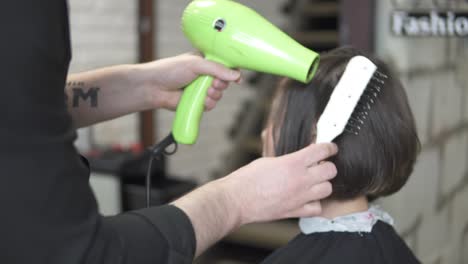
432 209
213 140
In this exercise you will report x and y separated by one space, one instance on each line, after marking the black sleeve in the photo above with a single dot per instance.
48 211
156 235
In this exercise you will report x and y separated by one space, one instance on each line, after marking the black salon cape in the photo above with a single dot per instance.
381 246
48 211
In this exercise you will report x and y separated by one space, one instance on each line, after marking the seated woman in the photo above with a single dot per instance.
373 163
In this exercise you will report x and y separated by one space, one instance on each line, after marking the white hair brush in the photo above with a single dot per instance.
351 100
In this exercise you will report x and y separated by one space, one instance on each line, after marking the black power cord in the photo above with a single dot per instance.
156 152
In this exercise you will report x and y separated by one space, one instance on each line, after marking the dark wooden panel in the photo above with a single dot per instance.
357 24
146 53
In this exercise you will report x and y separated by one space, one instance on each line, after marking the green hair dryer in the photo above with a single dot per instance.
236 36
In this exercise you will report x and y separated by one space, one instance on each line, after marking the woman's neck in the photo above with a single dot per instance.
334 208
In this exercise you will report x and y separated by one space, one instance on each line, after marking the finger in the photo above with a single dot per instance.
215 94
318 192
219 71
220 85
325 171
307 210
240 79
209 104
310 197
315 153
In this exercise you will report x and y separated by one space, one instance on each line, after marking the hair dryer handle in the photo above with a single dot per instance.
189 111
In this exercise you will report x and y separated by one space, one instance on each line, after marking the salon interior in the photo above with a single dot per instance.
424 41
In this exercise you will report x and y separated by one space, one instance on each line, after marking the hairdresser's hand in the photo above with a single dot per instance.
266 189
163 79
283 187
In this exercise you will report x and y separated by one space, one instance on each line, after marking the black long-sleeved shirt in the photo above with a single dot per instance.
48 211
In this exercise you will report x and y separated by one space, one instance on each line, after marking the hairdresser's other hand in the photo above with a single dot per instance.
266 189
163 79
283 187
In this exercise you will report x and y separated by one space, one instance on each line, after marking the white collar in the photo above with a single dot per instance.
357 222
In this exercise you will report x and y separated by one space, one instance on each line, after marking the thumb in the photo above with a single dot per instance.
219 71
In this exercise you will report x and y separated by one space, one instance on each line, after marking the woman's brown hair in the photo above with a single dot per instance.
374 163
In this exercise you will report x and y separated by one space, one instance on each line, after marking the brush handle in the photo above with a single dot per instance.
189 111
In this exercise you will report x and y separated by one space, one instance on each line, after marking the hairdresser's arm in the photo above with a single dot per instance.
107 93
267 189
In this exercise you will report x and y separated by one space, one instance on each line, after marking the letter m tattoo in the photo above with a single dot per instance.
79 93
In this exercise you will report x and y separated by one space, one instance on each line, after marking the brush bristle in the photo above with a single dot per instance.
367 99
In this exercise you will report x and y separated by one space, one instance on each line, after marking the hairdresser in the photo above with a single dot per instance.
49 214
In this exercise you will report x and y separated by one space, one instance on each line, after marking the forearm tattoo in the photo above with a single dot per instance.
79 92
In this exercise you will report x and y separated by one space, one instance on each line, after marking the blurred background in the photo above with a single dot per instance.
425 41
